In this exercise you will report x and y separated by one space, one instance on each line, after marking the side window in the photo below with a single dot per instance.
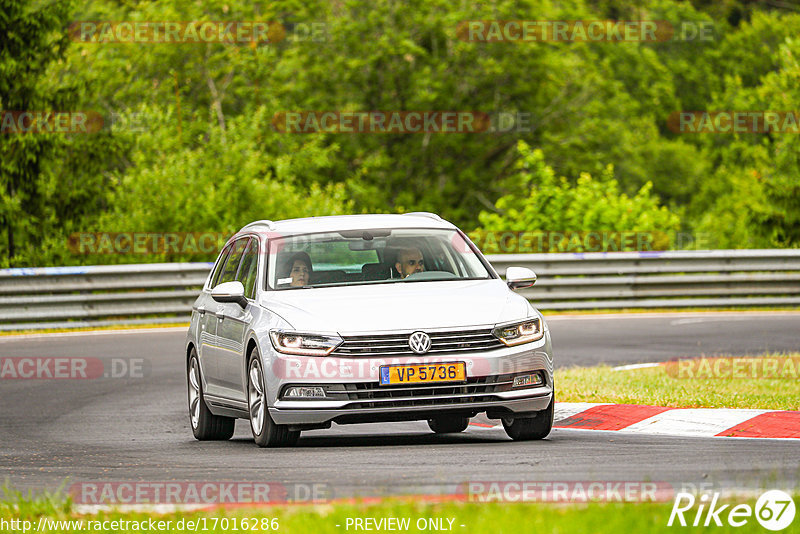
218 267
229 271
249 269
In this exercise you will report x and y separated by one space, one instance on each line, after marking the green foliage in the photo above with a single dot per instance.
32 40
207 159
778 219
219 180
753 198
592 205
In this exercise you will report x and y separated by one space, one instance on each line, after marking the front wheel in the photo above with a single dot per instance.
448 425
529 428
265 431
205 425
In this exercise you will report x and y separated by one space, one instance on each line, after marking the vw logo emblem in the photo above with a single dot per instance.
420 342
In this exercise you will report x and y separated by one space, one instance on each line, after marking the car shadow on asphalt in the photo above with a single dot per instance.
392 440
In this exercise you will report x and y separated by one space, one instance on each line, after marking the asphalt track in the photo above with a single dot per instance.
137 429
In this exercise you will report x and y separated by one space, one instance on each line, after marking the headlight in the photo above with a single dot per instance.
516 334
289 342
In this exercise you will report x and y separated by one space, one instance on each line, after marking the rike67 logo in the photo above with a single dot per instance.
774 510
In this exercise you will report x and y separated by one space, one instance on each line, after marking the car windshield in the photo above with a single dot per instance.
371 257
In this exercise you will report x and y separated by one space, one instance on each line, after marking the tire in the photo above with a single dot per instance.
448 425
266 432
205 425
530 428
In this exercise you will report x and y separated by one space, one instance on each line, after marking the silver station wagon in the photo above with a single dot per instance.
364 318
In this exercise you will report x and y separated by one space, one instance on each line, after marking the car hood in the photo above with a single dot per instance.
399 306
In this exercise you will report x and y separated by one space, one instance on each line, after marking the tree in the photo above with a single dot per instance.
754 197
49 181
582 217
585 105
217 183
33 38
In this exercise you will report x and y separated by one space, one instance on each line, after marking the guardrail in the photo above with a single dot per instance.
55 297
668 279
51 297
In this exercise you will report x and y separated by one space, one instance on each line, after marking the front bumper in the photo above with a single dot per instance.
319 412
357 396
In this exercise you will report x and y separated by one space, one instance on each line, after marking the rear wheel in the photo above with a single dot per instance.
265 431
529 428
448 425
205 425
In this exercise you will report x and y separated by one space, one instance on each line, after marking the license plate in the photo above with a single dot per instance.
423 372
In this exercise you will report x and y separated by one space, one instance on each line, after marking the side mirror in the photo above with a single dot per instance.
230 292
520 277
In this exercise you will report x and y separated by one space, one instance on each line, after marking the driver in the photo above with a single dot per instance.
409 261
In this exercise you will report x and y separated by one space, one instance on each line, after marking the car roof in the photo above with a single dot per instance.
336 223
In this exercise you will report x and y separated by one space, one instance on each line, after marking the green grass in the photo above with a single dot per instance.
659 386
494 518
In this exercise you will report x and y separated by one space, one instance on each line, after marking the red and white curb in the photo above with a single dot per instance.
696 422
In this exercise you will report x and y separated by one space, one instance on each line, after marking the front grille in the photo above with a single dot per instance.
373 395
397 344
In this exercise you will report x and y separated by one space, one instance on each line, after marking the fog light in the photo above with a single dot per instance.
304 392
534 379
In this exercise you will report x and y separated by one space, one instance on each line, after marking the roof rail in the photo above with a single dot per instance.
265 222
424 214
